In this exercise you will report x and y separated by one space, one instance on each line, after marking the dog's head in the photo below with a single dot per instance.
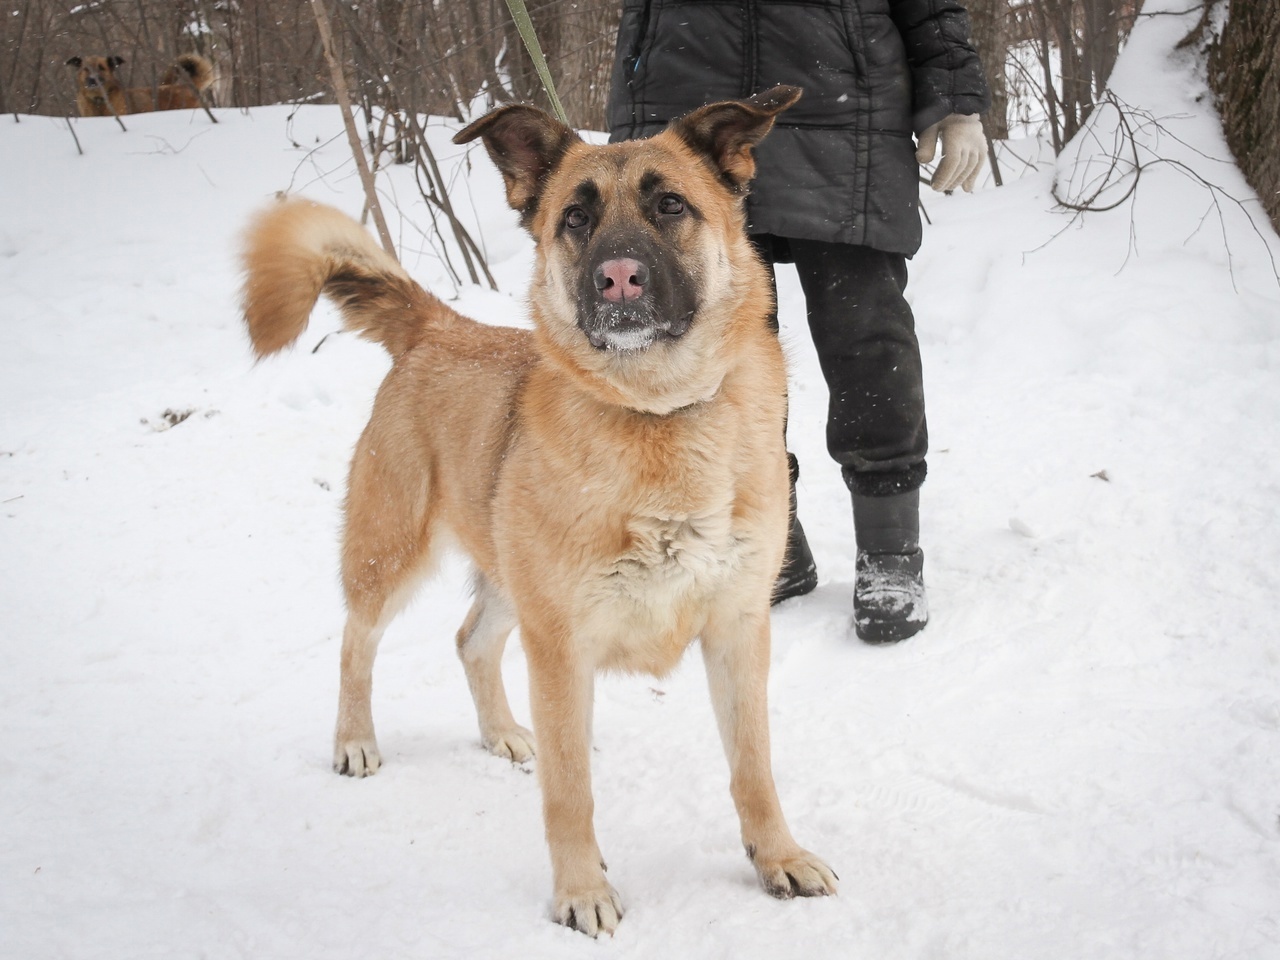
642 261
95 73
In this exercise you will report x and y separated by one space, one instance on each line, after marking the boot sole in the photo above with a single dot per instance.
881 633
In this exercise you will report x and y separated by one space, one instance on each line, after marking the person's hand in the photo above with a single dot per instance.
964 147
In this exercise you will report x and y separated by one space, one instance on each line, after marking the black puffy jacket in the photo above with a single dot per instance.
840 165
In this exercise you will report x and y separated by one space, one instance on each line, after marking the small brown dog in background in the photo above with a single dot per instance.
99 93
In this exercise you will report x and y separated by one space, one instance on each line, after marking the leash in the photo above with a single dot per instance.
524 24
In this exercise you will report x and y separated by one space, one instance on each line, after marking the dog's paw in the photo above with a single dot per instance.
514 744
796 873
356 758
592 912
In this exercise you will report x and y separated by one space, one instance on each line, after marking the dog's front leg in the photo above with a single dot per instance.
561 688
735 650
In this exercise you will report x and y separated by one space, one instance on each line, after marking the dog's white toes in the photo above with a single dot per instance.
515 744
356 758
592 912
798 873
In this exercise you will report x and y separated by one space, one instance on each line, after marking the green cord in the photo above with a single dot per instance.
524 23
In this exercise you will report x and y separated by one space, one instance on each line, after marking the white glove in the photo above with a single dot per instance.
964 148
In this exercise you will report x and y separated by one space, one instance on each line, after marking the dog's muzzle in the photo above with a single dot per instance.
625 316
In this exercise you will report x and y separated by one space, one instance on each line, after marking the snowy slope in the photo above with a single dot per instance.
1080 757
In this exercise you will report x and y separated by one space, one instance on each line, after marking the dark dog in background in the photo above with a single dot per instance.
99 92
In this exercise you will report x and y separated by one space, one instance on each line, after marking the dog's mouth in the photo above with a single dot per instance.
629 327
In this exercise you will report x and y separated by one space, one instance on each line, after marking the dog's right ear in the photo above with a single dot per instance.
525 145
74 61
114 61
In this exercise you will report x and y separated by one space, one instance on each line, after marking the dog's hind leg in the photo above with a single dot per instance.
386 553
355 748
735 650
480 644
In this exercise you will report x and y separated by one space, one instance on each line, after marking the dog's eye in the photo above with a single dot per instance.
671 205
575 218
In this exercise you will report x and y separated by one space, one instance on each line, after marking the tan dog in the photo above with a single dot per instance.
617 474
99 93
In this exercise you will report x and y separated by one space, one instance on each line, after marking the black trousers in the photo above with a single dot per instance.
864 334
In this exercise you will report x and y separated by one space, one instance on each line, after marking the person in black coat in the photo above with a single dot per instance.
837 193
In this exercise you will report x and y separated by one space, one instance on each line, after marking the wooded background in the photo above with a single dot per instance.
1047 61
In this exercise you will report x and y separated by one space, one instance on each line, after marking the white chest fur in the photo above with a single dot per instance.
687 550
649 603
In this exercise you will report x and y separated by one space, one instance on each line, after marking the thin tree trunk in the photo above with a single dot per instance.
1245 75
349 122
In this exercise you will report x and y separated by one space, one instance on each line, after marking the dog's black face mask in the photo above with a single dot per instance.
634 286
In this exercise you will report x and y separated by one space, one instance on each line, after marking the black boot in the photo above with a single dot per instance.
799 574
888 595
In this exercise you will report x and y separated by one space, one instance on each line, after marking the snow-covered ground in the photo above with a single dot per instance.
1080 757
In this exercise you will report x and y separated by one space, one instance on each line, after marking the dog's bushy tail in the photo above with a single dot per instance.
198 69
296 250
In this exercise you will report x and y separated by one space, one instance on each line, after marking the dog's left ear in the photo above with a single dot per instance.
114 61
525 144
727 132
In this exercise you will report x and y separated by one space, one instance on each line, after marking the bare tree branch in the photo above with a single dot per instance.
348 121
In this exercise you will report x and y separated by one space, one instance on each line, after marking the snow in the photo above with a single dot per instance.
1080 756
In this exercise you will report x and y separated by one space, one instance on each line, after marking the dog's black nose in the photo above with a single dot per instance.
621 279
